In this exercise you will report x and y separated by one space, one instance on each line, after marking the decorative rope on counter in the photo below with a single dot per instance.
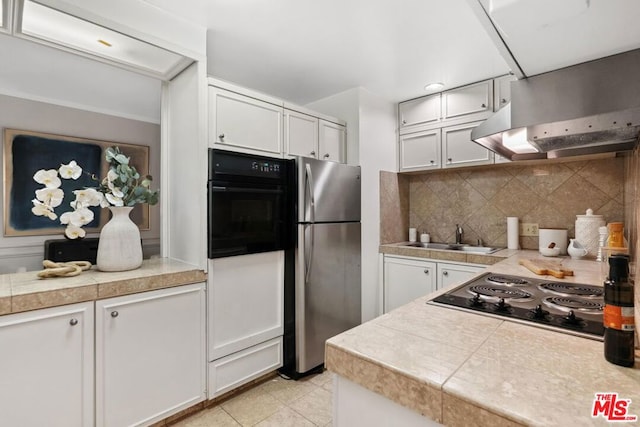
62 269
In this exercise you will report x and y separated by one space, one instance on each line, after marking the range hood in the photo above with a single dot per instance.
589 108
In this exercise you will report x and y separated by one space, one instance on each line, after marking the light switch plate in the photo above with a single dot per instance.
528 229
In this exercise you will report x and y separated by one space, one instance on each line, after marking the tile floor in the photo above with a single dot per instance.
275 403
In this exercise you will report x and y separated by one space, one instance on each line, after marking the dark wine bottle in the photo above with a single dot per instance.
618 313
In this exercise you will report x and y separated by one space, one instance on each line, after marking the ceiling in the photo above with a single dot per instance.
305 50
302 51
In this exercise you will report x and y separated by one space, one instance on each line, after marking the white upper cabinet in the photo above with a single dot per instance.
459 150
502 91
420 150
332 143
300 134
471 102
240 122
419 112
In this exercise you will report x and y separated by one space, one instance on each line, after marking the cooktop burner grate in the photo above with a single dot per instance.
568 304
498 291
569 289
506 280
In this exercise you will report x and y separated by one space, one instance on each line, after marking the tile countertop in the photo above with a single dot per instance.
24 291
465 369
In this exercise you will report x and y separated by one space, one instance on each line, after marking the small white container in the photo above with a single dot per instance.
425 238
413 235
546 236
587 231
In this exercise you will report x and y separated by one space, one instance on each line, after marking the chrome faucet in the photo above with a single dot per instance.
459 233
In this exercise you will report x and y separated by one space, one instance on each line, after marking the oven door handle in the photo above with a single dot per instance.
312 202
218 189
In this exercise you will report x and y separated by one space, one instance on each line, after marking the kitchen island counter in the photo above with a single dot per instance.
461 369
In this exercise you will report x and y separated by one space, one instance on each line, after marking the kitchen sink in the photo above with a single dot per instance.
455 247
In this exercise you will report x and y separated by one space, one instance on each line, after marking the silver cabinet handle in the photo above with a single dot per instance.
221 136
313 153
504 101
326 156
73 322
404 122
426 271
432 161
445 273
449 160
114 314
484 105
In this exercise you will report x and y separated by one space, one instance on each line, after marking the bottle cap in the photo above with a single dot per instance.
619 267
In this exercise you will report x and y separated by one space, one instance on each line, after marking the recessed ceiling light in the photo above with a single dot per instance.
434 86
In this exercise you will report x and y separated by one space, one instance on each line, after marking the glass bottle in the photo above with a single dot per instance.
618 315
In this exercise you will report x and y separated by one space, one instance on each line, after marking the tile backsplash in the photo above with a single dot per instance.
481 199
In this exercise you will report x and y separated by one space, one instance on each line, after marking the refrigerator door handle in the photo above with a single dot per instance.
312 203
307 262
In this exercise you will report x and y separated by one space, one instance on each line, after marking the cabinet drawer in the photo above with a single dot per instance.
239 368
469 102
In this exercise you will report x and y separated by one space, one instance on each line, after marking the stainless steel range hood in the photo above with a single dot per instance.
588 108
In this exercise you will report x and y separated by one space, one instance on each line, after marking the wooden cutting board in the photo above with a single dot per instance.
544 267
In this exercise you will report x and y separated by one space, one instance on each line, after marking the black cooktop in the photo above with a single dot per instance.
572 308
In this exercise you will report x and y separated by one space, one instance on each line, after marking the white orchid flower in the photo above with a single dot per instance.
70 171
40 209
65 218
87 197
49 178
80 217
50 196
115 201
74 232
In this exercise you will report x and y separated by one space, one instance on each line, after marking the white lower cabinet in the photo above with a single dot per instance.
245 318
453 274
150 355
406 279
46 367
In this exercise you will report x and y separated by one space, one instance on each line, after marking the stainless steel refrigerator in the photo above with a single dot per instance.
322 291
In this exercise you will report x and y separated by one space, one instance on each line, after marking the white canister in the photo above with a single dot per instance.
558 236
413 234
425 238
587 231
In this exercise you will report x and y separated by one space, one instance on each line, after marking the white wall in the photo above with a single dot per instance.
371 142
22 114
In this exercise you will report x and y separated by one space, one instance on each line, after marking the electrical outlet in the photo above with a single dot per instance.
528 229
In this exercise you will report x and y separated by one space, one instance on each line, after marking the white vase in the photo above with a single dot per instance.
119 248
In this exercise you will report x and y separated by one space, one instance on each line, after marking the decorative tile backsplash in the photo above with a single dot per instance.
481 199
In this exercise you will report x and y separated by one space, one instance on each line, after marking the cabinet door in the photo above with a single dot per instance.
246 301
469 102
332 144
421 111
459 150
150 355
502 91
239 121
406 280
455 274
300 134
420 150
46 367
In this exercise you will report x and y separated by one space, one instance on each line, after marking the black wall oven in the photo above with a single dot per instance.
249 207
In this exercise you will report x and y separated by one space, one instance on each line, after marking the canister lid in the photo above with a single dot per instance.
589 215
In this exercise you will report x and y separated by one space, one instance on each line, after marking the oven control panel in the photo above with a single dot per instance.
231 164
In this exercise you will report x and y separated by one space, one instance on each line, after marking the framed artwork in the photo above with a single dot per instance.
27 152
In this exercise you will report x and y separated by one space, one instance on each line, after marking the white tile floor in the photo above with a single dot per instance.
274 403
